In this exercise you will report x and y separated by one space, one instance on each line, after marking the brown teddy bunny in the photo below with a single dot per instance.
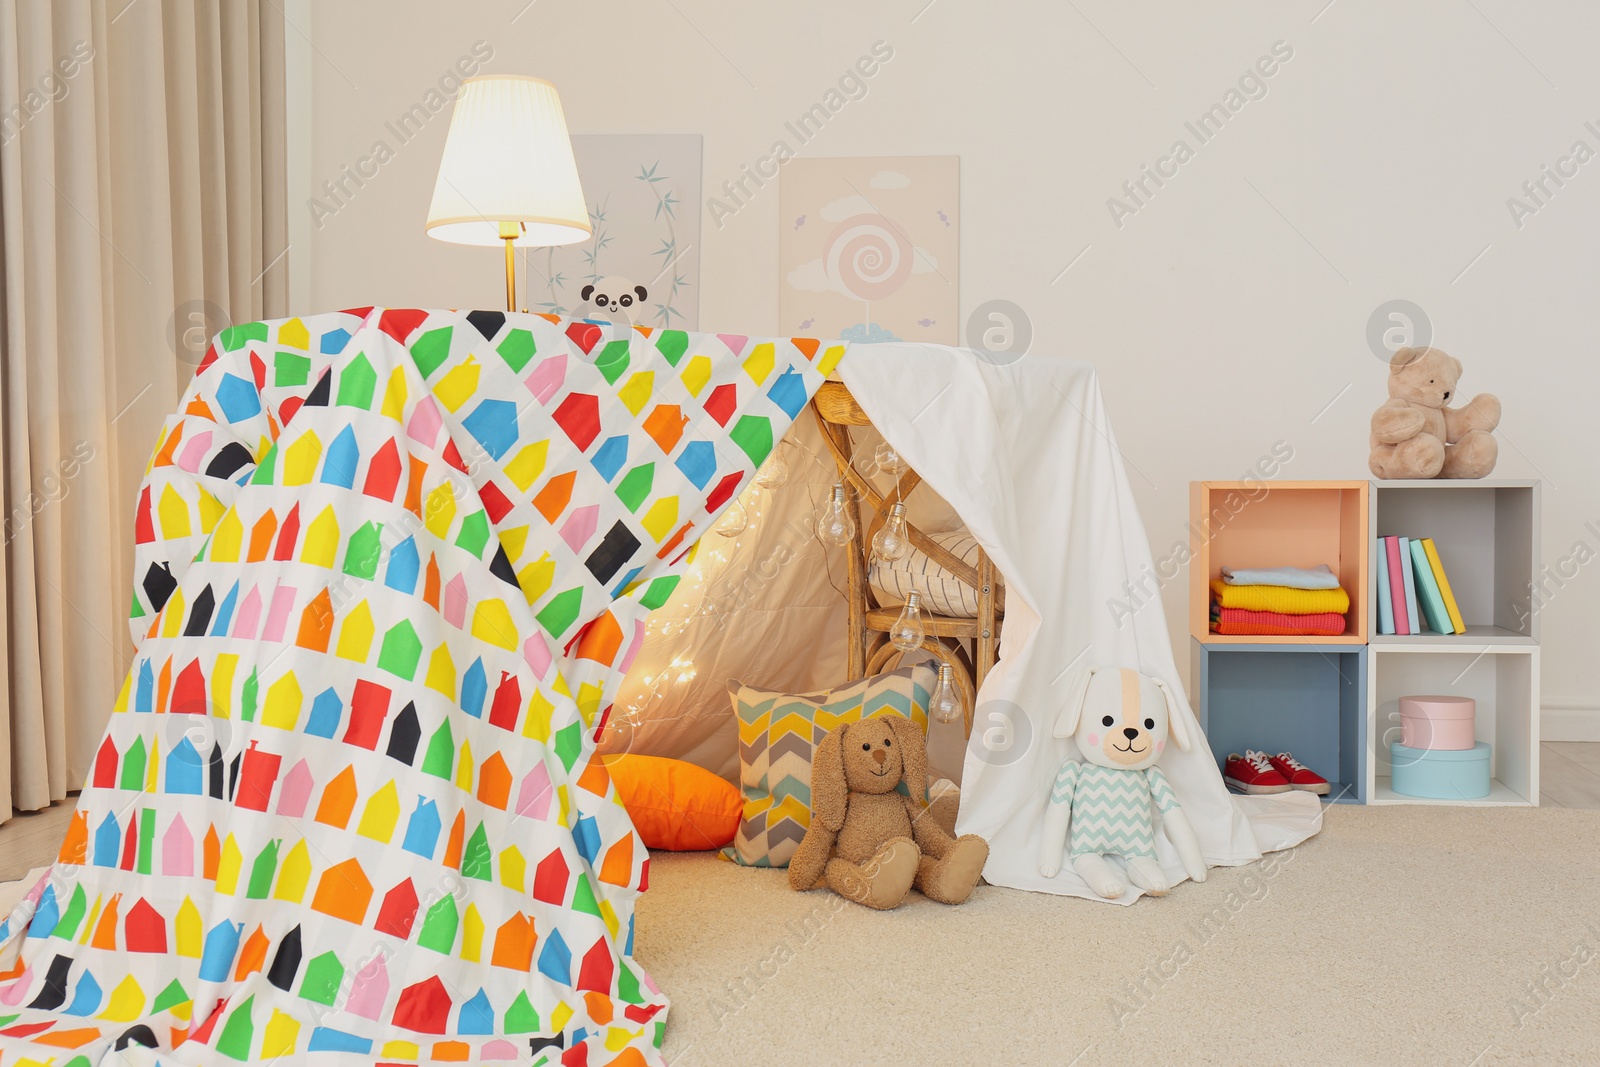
867 841
1415 434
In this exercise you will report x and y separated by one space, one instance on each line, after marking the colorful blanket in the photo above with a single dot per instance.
391 566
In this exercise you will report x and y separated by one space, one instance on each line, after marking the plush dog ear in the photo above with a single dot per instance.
1067 721
913 756
829 793
1177 728
586 292
642 291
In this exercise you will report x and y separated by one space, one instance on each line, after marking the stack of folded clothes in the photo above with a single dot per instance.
1279 601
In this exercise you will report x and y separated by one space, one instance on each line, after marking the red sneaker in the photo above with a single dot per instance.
1253 773
1298 775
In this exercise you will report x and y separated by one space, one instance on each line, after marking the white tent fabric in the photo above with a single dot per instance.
1024 454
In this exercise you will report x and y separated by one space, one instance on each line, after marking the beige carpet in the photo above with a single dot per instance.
1399 935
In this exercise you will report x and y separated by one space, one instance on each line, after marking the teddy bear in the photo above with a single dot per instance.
870 843
1415 434
1119 720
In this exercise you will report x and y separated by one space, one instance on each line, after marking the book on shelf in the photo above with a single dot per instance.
1412 616
1433 609
1385 605
1457 624
1414 595
1397 585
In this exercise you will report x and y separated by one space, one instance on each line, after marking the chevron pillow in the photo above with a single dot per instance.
778 732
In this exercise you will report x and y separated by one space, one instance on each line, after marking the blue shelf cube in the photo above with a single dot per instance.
1306 699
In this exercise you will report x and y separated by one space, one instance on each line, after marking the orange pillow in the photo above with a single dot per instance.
676 805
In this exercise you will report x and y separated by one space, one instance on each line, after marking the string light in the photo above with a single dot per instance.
888 460
907 632
892 541
734 521
775 471
945 704
837 526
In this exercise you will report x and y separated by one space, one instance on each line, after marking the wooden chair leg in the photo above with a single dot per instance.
856 639
988 633
837 437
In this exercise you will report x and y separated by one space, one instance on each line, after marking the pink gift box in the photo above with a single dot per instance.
1437 722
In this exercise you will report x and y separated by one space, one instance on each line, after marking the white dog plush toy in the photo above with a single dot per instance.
1120 720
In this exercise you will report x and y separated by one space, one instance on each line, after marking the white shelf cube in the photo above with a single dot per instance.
1487 536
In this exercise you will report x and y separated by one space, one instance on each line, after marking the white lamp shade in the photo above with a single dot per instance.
508 159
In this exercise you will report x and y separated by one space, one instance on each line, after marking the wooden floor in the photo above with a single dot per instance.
1570 777
1569 774
32 840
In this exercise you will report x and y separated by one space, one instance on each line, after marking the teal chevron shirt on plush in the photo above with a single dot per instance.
1111 808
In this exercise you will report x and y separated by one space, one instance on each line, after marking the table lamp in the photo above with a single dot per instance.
508 173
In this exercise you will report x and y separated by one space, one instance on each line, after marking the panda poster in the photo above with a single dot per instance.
642 263
868 248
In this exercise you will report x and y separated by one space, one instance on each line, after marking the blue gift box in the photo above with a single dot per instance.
1440 774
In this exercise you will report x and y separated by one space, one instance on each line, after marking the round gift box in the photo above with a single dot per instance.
1438 722
1440 774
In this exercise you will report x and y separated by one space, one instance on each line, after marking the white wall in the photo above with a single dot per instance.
1226 315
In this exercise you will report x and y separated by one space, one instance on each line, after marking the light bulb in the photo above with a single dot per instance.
888 460
893 540
774 472
945 704
837 526
734 521
907 632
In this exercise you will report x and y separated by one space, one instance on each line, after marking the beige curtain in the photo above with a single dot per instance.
142 207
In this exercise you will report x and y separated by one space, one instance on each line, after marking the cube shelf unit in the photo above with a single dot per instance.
1503 679
1304 695
1278 524
1308 699
1487 536
1334 701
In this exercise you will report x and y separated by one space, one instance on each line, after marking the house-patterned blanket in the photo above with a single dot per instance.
391 565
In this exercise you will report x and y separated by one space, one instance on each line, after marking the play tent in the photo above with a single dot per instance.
1023 455
392 566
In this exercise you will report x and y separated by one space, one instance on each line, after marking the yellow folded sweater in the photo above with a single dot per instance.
1281 598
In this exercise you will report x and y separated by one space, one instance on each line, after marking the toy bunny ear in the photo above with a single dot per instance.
829 793
913 756
1177 727
1067 722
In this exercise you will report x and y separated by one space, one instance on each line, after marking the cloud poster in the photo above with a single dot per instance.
869 248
